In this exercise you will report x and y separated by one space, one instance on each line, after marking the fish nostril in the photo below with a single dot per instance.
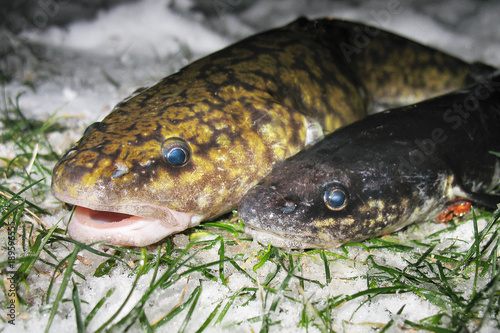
288 207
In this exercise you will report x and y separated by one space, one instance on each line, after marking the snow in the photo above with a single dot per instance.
89 66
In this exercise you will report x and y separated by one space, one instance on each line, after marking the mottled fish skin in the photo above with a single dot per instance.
234 114
393 168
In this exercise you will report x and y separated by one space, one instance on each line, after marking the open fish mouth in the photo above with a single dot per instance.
89 225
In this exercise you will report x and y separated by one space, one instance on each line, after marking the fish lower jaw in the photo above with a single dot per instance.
90 226
265 237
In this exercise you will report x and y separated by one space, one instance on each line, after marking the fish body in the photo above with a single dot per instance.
188 148
382 173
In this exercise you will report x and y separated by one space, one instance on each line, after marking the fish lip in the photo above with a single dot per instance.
138 209
266 237
132 229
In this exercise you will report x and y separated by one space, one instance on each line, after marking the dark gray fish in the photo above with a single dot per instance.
373 177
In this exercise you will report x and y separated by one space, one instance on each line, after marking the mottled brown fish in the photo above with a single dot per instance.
188 148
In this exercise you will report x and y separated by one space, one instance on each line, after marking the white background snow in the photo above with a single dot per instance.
136 44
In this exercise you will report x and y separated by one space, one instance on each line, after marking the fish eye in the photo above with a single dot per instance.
336 197
176 152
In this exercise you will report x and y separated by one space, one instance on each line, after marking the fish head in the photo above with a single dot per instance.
324 197
173 159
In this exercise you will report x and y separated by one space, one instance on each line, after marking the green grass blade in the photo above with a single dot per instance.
264 258
266 321
222 257
97 307
195 296
210 317
62 288
25 269
80 324
328 276
143 262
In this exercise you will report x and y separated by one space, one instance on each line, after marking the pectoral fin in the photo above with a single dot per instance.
461 205
457 207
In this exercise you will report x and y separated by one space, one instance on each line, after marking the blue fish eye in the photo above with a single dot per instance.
176 152
336 198
176 156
